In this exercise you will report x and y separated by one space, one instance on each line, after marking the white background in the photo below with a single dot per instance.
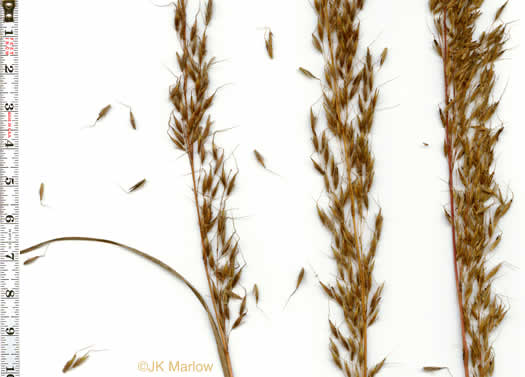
78 56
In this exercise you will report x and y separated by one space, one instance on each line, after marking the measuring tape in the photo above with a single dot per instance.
9 209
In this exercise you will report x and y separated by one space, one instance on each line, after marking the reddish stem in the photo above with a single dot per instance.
451 193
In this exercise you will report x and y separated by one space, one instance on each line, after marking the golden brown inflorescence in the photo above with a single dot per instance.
476 201
190 129
344 159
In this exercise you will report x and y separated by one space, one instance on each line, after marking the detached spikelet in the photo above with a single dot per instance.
260 158
343 157
76 361
79 361
69 364
102 114
300 278
32 259
132 120
307 73
137 185
476 204
41 192
433 369
268 41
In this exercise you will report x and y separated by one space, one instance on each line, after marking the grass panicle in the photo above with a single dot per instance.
343 158
476 203
191 130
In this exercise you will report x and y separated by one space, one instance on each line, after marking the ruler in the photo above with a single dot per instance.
9 200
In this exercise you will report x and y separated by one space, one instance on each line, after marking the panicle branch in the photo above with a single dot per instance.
191 130
344 159
476 201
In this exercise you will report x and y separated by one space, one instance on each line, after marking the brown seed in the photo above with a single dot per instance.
132 120
103 112
307 73
81 360
31 260
433 369
137 185
41 192
69 363
132 117
260 158
300 278
269 44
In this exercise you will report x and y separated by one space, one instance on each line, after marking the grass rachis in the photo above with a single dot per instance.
346 164
476 201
